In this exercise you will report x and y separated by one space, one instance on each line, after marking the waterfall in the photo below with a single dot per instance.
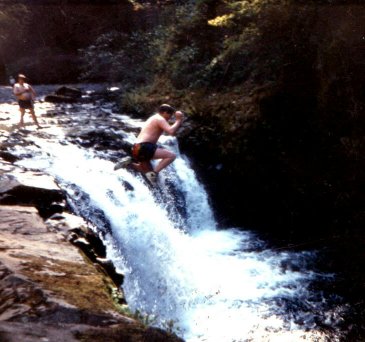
181 270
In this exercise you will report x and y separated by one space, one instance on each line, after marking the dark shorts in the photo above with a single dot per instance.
26 104
143 151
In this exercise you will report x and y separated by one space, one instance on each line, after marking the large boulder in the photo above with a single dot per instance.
31 189
59 99
69 91
64 94
49 291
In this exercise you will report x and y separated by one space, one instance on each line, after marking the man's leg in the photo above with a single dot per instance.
167 157
22 112
34 117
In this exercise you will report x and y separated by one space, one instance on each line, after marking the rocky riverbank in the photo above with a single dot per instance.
55 283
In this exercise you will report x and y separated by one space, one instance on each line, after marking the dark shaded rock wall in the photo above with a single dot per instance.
288 155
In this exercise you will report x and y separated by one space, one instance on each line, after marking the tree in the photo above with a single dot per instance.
49 34
12 32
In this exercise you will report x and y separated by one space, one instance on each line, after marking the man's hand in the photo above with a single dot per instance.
179 115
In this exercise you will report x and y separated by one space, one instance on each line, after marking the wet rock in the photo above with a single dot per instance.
52 113
60 99
30 188
93 247
128 186
64 95
45 285
109 94
100 138
115 275
69 91
8 157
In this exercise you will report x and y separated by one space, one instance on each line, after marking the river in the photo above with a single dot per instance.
183 272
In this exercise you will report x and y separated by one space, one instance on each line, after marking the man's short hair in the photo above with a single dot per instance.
165 108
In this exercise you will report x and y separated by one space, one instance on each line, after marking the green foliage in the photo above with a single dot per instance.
206 48
136 102
53 31
117 56
180 50
13 21
211 43
143 100
190 46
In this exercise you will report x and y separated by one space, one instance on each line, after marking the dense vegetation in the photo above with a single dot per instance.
42 38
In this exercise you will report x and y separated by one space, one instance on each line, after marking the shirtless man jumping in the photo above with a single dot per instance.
145 149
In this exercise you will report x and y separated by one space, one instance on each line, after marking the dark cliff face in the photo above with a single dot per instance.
288 156
289 169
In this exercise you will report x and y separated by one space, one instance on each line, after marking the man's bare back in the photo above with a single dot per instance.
156 125
151 131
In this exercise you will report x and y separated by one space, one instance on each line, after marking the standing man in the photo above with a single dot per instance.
25 95
145 149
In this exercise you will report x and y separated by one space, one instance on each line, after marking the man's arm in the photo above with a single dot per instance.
32 90
171 130
16 90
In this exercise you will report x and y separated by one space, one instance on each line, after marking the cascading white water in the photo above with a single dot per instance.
209 284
